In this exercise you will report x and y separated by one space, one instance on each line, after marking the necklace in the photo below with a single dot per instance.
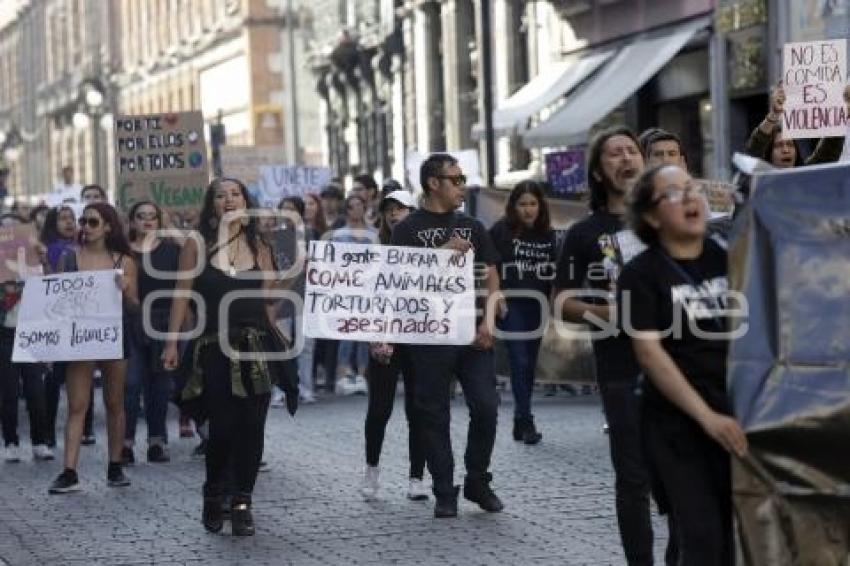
232 258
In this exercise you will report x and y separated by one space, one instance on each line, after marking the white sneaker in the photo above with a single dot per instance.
359 386
416 491
345 386
278 399
13 453
308 398
370 484
42 452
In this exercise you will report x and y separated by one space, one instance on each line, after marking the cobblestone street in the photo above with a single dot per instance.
558 497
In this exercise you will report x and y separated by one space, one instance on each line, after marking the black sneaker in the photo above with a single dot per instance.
241 520
115 476
66 482
157 454
88 440
520 425
212 515
446 505
128 458
531 435
478 491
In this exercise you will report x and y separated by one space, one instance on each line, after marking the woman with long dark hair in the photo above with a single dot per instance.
102 246
386 363
314 215
234 394
157 259
674 305
526 244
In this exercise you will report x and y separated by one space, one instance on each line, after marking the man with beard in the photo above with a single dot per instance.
595 250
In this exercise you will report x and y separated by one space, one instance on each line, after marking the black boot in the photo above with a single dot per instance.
477 489
211 516
241 520
519 429
446 506
531 435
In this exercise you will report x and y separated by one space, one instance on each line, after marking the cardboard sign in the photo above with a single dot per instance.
813 76
18 256
161 158
68 317
278 181
565 172
396 294
243 162
720 197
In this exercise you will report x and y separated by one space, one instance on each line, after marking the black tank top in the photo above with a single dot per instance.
214 285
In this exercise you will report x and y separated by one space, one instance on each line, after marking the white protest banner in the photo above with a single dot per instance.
367 292
70 316
813 76
278 181
467 160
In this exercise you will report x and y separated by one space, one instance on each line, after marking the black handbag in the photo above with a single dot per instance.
284 372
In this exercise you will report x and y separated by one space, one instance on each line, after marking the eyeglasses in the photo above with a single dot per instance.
148 216
92 222
456 180
676 195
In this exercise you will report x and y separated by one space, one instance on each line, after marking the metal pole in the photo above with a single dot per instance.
290 25
487 92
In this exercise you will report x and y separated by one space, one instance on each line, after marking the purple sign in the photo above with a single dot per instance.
565 172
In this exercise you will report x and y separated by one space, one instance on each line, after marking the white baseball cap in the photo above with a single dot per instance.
402 197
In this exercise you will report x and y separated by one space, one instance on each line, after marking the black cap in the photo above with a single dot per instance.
332 191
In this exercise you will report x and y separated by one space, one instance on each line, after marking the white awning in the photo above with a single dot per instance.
632 67
541 91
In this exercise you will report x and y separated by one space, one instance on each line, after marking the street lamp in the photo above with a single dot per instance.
91 105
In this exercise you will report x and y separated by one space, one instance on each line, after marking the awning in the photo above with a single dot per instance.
541 91
632 67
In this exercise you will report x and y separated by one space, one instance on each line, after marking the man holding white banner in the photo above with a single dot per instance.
438 225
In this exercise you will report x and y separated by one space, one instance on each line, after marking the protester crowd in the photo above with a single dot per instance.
670 428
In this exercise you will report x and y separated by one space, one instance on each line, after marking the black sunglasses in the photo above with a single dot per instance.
92 222
457 180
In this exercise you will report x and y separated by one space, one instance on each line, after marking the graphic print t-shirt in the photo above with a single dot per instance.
656 289
425 229
526 259
591 259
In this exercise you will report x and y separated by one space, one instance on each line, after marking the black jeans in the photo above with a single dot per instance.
382 380
434 367
236 429
693 472
632 482
52 385
12 376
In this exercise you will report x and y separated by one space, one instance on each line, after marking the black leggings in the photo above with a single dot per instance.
383 379
236 429
12 376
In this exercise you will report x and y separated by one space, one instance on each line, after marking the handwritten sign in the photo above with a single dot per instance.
18 256
278 181
243 162
396 294
565 172
720 197
68 317
814 76
162 158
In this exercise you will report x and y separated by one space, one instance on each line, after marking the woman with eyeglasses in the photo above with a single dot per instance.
673 303
235 259
102 246
157 261
58 234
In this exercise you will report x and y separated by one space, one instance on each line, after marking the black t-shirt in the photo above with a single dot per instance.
682 298
165 257
527 259
425 229
590 259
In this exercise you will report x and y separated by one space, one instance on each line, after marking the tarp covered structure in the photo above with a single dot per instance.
789 375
